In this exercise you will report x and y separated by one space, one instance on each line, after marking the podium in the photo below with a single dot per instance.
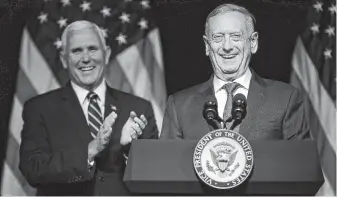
165 167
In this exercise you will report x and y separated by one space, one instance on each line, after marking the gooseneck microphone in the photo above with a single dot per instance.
210 113
239 110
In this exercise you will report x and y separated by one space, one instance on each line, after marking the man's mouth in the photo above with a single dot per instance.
228 56
86 69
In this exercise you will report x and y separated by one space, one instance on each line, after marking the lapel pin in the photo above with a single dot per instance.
114 108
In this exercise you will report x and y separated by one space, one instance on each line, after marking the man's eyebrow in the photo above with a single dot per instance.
93 46
75 49
237 32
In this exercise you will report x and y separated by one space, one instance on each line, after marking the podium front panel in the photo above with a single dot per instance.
280 168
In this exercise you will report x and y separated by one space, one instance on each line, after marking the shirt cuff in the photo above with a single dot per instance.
126 158
91 164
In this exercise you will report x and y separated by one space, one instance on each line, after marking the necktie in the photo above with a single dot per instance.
94 114
230 88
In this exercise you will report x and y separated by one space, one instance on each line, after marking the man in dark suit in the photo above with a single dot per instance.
274 109
68 147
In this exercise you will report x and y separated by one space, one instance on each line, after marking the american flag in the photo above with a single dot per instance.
136 64
314 73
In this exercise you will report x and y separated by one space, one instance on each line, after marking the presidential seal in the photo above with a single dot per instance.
223 159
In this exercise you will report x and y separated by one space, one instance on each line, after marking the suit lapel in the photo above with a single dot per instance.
205 93
256 99
110 102
73 109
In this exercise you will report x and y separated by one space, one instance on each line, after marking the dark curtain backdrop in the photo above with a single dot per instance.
181 23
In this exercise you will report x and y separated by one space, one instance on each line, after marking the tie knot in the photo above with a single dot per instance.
92 96
231 87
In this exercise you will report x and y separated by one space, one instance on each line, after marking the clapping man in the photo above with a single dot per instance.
75 139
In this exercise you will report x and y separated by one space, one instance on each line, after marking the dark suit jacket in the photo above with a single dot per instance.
274 111
55 138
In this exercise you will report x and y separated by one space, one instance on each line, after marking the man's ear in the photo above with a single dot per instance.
254 42
63 59
206 45
107 55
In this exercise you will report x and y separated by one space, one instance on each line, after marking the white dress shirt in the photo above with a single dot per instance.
82 93
221 94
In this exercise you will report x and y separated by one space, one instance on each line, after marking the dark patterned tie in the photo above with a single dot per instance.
230 88
94 114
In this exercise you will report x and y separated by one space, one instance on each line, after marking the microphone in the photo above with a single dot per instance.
210 113
210 110
239 110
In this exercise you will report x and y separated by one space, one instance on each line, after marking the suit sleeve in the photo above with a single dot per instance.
151 129
295 126
41 165
170 128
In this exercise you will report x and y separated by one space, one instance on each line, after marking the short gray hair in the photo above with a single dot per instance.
251 21
80 25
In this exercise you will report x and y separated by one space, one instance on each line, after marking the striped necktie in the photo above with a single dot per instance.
94 114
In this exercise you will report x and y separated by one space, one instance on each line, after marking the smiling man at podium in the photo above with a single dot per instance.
274 110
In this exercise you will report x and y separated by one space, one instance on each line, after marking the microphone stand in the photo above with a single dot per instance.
236 123
215 123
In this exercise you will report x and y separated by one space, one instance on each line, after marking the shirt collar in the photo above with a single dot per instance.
243 80
82 93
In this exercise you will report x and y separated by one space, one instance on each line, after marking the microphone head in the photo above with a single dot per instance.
240 98
210 110
239 110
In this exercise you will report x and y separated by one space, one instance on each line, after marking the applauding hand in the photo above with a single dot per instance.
133 128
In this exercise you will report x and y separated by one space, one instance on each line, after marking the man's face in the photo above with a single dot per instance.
229 44
85 58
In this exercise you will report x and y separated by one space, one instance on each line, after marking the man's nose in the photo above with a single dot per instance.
227 44
86 57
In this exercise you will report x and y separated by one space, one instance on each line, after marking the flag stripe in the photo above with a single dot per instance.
138 78
325 151
155 73
35 67
24 87
321 101
154 38
326 189
11 184
119 80
12 160
16 122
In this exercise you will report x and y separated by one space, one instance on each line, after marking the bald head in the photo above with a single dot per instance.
225 8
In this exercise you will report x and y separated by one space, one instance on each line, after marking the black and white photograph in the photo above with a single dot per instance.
168 97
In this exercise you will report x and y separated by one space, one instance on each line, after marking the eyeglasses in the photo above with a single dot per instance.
217 38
